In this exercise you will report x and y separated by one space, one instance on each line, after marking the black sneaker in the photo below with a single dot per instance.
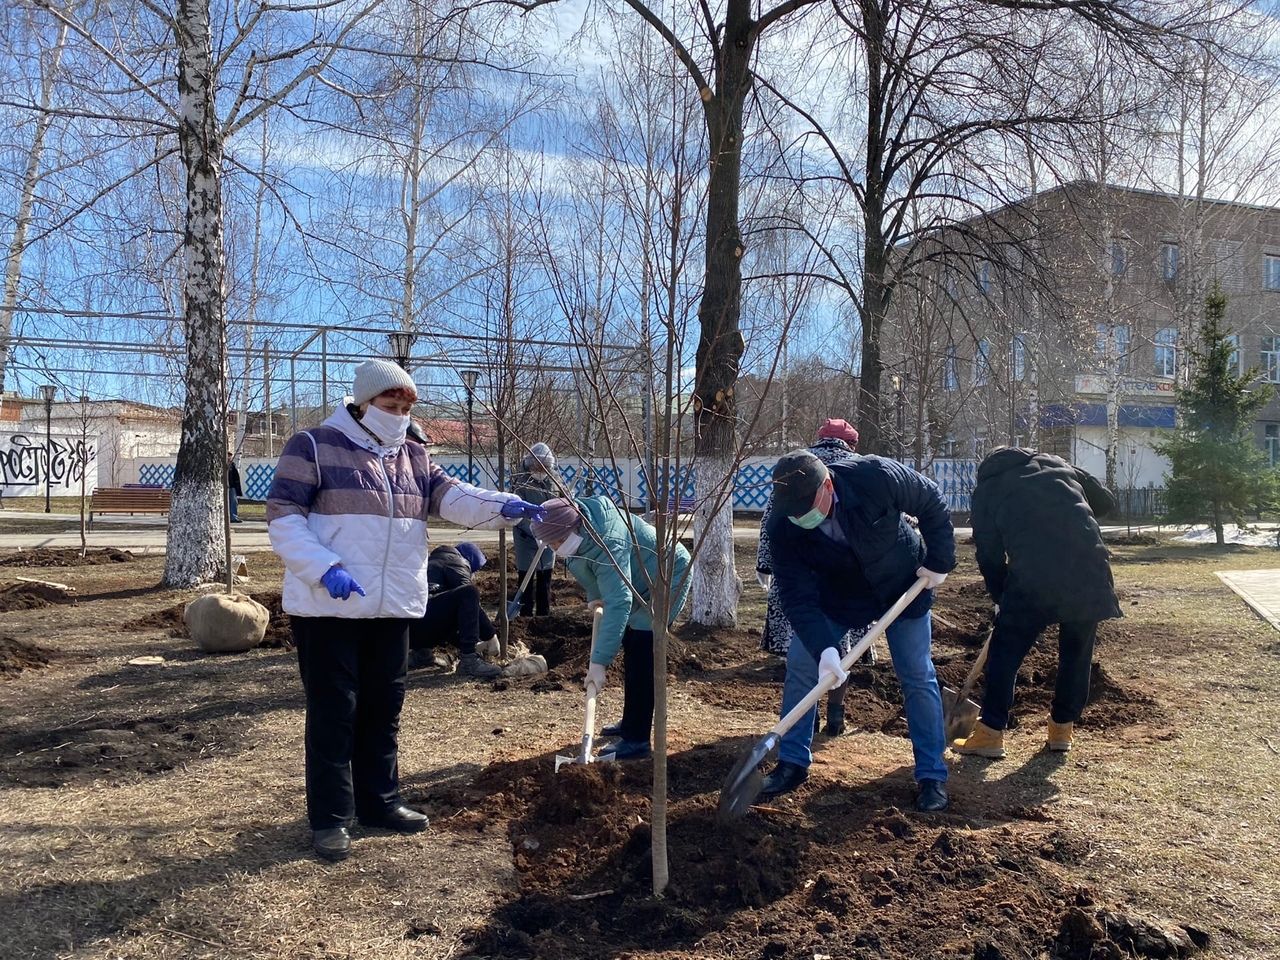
612 730
932 797
784 778
474 666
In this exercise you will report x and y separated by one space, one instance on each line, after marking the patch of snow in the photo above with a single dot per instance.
1262 535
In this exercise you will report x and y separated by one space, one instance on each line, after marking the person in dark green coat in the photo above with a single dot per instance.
615 559
536 483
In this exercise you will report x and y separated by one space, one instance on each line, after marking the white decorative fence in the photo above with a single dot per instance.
624 481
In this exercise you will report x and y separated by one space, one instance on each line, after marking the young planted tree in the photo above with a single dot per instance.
1216 471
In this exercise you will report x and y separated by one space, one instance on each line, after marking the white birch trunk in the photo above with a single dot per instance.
196 535
26 200
716 587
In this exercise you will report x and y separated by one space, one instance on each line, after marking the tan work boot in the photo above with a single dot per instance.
1060 736
983 742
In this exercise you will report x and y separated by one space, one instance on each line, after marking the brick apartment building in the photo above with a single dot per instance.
1063 322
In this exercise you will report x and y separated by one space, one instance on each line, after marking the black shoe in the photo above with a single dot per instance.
631 750
333 844
835 722
612 730
399 818
236 520
785 778
474 666
932 797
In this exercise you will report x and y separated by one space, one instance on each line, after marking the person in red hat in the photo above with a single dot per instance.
836 443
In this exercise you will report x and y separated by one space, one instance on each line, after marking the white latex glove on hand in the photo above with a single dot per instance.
764 579
933 580
594 605
829 663
595 678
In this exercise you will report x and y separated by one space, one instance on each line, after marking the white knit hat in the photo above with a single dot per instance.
376 376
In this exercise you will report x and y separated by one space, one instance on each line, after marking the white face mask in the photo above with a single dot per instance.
570 546
387 427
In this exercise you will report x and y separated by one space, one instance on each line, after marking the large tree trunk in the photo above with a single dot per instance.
716 586
22 218
874 262
196 542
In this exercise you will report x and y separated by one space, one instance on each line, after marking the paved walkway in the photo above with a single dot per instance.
1260 589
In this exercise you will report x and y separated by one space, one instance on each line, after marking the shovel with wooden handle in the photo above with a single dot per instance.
960 714
742 786
513 608
584 754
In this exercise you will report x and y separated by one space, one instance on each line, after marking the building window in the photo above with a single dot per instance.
1271 359
1272 443
1123 341
948 448
1169 260
1271 272
1019 357
984 276
1233 361
1166 352
951 369
1119 259
982 363
1100 341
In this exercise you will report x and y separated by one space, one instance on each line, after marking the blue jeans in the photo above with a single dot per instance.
234 503
909 646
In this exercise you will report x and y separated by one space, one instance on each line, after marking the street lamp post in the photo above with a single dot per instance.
48 391
401 346
469 378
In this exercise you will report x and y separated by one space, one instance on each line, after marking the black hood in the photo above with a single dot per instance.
1010 458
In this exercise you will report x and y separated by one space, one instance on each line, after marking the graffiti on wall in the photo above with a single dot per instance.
27 463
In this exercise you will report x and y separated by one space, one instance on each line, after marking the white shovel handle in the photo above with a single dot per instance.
828 682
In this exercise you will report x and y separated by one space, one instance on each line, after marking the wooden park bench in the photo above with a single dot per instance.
129 500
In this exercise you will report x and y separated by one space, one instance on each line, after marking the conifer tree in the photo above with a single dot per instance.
1217 471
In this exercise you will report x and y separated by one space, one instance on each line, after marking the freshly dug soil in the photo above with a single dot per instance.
31 596
18 655
116 748
65 557
838 871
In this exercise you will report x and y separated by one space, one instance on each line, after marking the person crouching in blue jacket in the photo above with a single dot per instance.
843 553
615 559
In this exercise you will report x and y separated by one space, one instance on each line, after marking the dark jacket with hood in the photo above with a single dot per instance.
447 569
1039 547
821 580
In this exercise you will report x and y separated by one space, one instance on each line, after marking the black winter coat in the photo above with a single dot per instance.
233 480
1039 546
820 581
447 569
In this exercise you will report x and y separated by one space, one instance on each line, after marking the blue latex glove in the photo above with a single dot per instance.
522 510
340 584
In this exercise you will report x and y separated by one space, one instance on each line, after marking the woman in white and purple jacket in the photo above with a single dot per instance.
347 512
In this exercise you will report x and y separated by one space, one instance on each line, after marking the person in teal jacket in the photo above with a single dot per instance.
615 558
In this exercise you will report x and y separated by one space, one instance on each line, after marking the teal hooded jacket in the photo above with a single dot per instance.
617 563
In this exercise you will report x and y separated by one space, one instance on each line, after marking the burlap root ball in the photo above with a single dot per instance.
529 666
226 622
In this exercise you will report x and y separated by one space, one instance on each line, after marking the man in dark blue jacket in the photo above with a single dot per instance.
843 553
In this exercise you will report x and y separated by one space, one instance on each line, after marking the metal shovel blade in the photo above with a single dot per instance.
742 786
961 716
584 755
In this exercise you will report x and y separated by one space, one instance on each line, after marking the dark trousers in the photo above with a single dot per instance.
453 617
637 684
539 591
1013 639
353 672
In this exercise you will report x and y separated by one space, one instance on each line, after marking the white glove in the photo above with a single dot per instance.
594 605
933 580
488 648
764 579
595 678
995 610
829 664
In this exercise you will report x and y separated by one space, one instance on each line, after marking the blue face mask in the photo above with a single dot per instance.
809 520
